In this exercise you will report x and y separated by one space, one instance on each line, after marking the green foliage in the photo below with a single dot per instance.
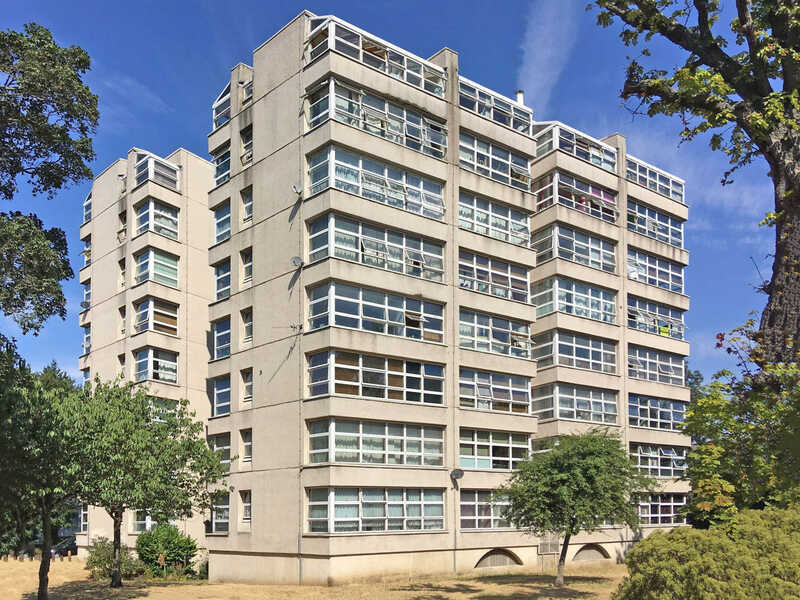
754 555
47 113
712 497
178 549
101 560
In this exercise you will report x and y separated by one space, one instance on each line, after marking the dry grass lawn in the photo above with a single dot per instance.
69 581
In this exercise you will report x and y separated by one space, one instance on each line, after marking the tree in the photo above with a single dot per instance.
580 484
140 453
743 89
694 381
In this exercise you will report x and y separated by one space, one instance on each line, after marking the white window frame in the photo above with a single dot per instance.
247 145
652 509
246 439
86 346
87 250
246 257
222 222
576 194
221 109
220 514
654 223
560 241
222 165
490 275
152 168
222 279
87 208
221 396
596 354
247 325
83 518
482 509
155 364
490 333
221 444
146 311
561 294
655 271
656 365
87 295
246 503
492 219
247 385
567 401
221 336
247 203
489 450
147 263
656 318
647 412
139 524
659 460
490 105
497 392
655 179
577 144
158 217
493 161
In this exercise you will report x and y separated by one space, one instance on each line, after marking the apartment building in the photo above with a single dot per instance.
412 285
146 288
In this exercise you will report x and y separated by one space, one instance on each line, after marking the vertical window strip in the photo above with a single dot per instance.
247 203
221 395
575 298
498 335
573 350
488 275
222 222
222 337
493 161
576 194
222 166
574 245
247 445
655 365
655 224
247 385
498 392
495 220
492 450
655 271
656 318
222 278
655 413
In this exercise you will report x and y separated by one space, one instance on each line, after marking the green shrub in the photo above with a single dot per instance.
202 569
101 560
178 549
754 555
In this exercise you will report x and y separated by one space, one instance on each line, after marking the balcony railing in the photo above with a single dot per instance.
557 136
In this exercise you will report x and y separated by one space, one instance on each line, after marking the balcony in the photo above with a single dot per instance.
150 168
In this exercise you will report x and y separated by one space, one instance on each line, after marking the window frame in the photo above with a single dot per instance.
667 507
494 161
157 217
147 269
662 461
221 159
492 214
564 294
222 279
247 204
222 222
660 366
561 241
221 108
221 338
484 439
485 275
654 179
653 223
491 105
572 402
221 395
220 514
246 440
560 339
659 413
575 143
151 359
484 332
147 311
560 187
247 384
492 390
656 318
654 270
487 510
247 324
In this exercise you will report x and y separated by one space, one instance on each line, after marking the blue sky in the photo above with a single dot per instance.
157 67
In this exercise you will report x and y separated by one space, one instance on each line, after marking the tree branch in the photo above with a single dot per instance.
747 28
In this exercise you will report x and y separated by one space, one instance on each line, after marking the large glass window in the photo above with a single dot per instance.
576 194
560 241
574 350
488 104
156 364
489 333
378 247
492 219
655 179
654 317
222 222
494 450
375 377
658 460
152 215
491 160
156 315
222 107
222 165
489 275
157 265
567 401
221 331
376 181
222 279
493 391
655 224
87 208
482 509
655 271
662 509
574 298
220 513
149 167
655 365
350 510
378 116
655 413
375 443
221 444
221 396
559 136
343 305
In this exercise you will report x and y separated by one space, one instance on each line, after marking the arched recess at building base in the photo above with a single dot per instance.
498 557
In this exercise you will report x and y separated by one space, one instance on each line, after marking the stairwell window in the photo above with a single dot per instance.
246 499
221 396
222 165
222 277
247 325
247 444
247 204
246 257
222 222
246 137
87 339
221 331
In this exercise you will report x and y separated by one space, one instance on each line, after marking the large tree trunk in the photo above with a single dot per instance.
779 330
562 559
116 570
47 543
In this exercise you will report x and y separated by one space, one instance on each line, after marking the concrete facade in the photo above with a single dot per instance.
445 301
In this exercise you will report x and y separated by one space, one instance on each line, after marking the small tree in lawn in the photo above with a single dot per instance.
583 482
142 453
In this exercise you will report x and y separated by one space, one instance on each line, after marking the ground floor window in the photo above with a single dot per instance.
480 510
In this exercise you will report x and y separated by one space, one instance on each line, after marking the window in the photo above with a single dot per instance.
156 364
375 377
655 271
492 219
221 331
372 310
123 321
654 317
83 518
222 222
494 391
246 498
576 194
156 265
494 450
543 444
332 35
572 244
247 203
349 510
87 208
662 509
659 461
493 161
142 521
222 165
488 333
655 365
655 224
654 179
86 374
247 385
577 144
655 413
247 92
87 339
87 250
246 137
221 444
123 226
375 443
152 215
220 514
222 107
156 315
489 275
222 278
121 270
247 325
247 444
575 298
482 509
246 256
575 402
378 247
149 167
376 181
574 350
87 295
221 396
488 104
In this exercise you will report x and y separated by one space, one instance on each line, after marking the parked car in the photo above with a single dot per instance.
65 546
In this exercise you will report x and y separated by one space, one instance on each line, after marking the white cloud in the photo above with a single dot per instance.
129 89
546 48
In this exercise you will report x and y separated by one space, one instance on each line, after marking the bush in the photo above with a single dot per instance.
178 549
101 560
754 555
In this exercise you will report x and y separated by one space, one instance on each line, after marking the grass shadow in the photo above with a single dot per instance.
100 590
540 579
